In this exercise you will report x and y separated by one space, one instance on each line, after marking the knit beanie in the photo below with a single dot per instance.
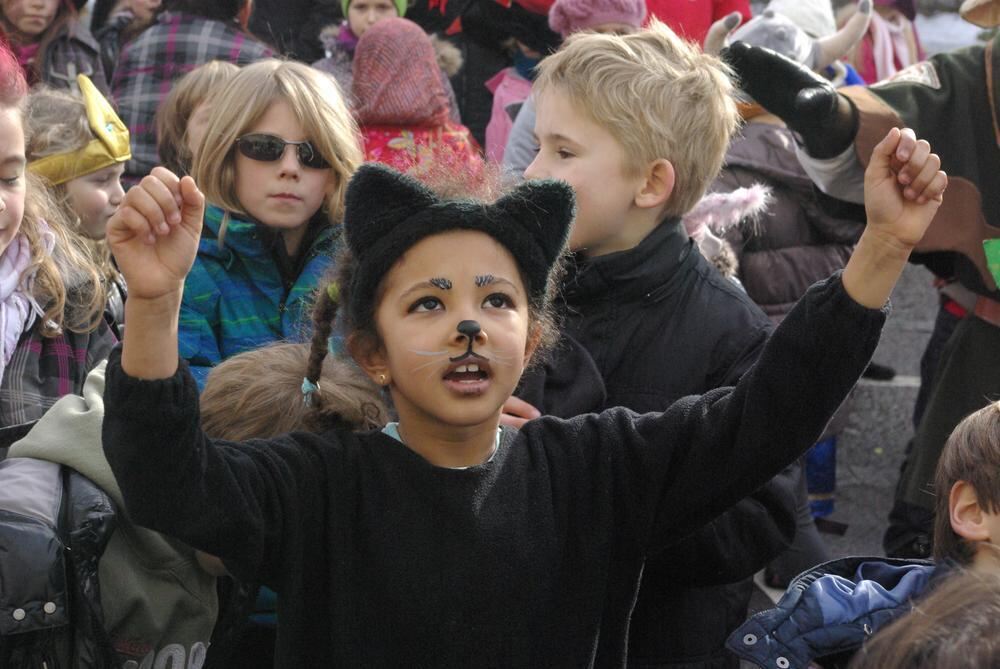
813 16
396 77
386 213
569 16
401 6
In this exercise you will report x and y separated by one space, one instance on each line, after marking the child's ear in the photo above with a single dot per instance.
967 517
657 185
370 357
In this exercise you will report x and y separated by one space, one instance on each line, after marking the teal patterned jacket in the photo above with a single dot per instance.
235 299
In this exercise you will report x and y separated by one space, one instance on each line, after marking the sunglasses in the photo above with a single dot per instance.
269 148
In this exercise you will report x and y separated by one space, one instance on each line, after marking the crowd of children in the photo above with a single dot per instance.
298 369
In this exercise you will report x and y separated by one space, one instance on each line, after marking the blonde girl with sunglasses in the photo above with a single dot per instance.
278 152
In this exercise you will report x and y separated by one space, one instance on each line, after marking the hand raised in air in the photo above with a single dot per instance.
154 234
904 186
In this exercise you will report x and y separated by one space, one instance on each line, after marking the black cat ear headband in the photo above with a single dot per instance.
387 212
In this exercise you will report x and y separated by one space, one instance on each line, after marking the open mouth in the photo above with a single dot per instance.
467 373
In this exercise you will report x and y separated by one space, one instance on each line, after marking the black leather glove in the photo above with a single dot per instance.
826 122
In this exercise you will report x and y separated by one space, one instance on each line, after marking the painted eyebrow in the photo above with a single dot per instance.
436 283
17 161
490 280
440 282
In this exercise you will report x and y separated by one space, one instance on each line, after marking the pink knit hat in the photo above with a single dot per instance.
569 16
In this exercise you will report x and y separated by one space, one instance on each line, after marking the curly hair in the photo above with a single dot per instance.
57 123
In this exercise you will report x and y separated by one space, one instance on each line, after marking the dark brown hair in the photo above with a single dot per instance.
957 626
257 394
972 454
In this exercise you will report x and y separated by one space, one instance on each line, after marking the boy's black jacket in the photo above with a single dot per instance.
660 323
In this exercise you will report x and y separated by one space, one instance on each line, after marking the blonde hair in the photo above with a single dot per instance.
318 105
173 115
658 96
257 394
67 283
55 123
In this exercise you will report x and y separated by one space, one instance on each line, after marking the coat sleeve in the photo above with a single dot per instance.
227 499
675 471
729 442
734 546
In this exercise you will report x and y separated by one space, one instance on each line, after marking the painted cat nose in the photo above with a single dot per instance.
470 329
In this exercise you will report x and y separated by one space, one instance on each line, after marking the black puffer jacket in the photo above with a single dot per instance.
54 526
660 323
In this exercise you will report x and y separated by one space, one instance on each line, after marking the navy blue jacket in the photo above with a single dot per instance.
829 611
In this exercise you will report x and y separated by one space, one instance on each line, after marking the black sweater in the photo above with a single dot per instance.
531 559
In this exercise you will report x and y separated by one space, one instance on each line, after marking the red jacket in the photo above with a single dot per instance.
691 19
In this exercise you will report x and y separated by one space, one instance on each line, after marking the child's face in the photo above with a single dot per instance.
12 165
440 282
284 193
95 197
28 19
575 149
363 14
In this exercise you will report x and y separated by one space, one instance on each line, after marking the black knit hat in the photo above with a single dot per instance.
387 212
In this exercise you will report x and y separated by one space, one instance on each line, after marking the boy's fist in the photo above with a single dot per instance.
154 234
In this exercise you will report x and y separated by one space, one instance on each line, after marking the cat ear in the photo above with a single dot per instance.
543 209
378 199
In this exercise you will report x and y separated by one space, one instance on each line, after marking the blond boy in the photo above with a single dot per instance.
639 125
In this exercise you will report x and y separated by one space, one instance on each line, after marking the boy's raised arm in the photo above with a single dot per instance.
903 190
154 239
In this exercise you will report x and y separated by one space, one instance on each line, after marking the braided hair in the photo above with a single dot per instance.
323 315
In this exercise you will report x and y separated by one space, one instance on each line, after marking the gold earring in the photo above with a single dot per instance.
381 379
